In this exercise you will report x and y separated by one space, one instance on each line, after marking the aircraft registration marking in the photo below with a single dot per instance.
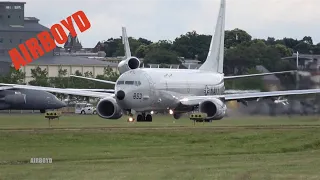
137 96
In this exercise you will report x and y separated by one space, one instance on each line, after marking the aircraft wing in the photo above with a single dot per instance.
60 90
5 88
195 100
235 91
94 90
261 74
94 79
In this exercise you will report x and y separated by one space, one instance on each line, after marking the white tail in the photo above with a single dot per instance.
125 41
214 61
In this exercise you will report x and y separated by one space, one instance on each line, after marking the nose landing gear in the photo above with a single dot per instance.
177 115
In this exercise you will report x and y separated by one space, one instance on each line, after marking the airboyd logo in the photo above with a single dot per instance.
41 160
47 42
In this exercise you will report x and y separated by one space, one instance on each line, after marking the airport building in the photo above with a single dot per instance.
309 70
15 29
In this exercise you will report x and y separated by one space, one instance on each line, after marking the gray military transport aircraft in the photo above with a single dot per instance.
145 90
28 99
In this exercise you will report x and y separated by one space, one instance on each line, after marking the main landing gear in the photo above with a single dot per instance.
143 117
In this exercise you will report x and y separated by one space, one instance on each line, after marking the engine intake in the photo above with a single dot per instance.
15 99
128 64
214 108
108 109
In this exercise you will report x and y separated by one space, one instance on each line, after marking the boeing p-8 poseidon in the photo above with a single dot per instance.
143 90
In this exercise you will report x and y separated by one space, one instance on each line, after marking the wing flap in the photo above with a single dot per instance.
195 100
256 95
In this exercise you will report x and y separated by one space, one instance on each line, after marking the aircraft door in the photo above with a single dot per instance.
152 92
188 87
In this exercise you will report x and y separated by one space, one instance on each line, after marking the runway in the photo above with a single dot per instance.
175 128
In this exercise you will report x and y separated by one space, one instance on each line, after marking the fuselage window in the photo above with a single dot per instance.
120 82
129 82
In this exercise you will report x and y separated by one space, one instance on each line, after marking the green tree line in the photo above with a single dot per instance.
242 55
242 52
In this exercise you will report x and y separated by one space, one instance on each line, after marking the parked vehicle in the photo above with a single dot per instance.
85 108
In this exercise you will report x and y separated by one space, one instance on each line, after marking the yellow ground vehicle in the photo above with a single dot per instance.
198 117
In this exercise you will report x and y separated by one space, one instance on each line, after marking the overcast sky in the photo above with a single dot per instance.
168 19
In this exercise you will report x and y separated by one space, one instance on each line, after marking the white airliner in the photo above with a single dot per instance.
143 90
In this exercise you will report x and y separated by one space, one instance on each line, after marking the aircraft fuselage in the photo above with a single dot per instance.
149 89
27 99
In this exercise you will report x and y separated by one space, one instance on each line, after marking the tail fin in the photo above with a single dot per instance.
214 61
125 41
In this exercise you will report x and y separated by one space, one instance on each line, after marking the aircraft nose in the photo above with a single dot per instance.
61 104
120 95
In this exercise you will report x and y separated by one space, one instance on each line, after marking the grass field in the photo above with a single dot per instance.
88 147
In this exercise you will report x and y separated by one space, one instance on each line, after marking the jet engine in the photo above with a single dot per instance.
108 108
214 108
128 64
15 99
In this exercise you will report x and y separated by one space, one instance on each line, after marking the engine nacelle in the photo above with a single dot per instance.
15 99
214 108
108 108
128 64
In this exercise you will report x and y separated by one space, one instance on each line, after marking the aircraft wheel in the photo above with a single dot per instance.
140 118
176 115
149 118
82 112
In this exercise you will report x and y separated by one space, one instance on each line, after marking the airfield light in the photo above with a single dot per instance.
130 119
170 111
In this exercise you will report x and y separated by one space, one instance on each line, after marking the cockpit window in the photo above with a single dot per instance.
129 82
136 83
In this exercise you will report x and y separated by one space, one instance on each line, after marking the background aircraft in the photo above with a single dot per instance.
144 90
26 99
